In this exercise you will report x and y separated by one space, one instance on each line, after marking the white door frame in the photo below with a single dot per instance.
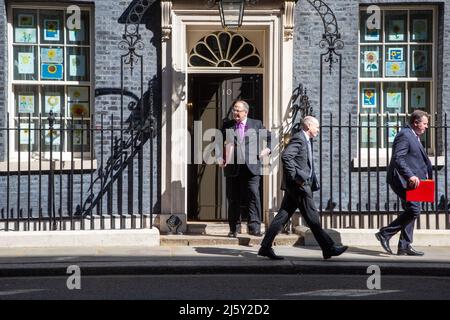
277 88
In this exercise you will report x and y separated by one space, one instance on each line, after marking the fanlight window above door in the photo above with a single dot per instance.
224 49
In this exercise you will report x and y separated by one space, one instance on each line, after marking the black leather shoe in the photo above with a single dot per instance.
256 234
232 234
410 251
334 251
384 242
269 253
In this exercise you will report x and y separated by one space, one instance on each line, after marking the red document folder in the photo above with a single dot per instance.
423 193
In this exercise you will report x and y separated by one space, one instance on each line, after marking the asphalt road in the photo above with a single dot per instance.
226 287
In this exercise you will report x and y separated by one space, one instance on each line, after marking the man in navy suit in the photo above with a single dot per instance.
409 164
243 168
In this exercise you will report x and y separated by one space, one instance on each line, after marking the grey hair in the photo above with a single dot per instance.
309 120
244 104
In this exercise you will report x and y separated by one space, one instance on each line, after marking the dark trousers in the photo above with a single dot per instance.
243 190
302 199
404 222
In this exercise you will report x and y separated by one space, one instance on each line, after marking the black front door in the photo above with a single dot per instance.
211 99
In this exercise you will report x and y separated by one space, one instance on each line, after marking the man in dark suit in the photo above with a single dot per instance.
409 164
242 167
299 182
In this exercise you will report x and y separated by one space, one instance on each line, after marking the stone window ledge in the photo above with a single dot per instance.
437 162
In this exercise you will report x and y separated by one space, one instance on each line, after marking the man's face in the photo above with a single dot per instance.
421 126
239 112
314 129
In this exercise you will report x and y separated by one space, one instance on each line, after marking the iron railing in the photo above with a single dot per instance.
58 175
353 161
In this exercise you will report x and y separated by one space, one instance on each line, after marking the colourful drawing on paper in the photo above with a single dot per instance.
392 130
54 134
80 135
52 55
372 35
78 110
25 35
51 71
369 98
52 102
26 135
26 20
394 99
77 35
371 63
395 54
420 29
419 62
78 94
397 30
395 69
77 66
25 103
51 30
26 63
418 98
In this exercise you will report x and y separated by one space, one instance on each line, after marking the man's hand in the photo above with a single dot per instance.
300 183
264 153
221 163
413 182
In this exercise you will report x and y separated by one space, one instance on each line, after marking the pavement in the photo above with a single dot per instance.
217 259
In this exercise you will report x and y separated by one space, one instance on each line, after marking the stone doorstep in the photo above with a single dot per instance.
214 228
216 240
366 237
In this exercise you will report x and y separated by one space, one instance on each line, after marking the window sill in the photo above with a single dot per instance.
437 162
35 167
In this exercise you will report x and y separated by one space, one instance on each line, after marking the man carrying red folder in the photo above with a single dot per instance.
409 164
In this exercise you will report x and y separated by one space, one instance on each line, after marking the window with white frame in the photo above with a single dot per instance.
396 71
50 72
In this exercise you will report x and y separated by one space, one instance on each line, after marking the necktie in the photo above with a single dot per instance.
241 129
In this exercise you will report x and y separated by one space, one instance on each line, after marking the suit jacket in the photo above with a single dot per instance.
409 158
246 151
297 165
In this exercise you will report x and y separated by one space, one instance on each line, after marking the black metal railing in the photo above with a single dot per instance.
353 161
76 174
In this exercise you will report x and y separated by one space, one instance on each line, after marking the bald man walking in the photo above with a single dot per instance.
299 182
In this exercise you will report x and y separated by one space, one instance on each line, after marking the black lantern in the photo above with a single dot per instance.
231 13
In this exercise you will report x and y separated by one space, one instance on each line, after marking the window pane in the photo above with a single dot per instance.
79 137
25 63
52 63
370 98
52 139
78 102
419 96
26 135
78 64
393 125
371 62
53 100
395 26
421 26
25 30
421 61
26 101
396 64
81 35
366 21
394 97
52 24
369 132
